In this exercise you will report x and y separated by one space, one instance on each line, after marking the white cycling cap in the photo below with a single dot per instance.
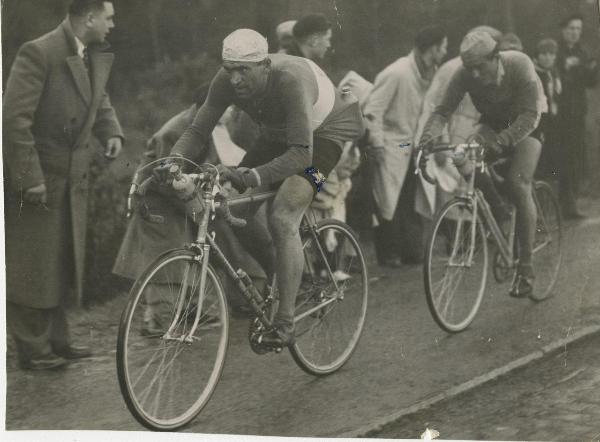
476 46
245 45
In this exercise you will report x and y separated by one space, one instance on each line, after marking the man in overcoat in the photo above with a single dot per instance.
577 72
392 112
54 102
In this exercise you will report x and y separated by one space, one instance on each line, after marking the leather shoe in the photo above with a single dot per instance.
277 339
74 352
47 362
522 286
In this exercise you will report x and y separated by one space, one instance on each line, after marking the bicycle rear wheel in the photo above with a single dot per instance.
547 249
331 305
456 262
166 379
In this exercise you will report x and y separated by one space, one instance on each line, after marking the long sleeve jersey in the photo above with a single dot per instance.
516 100
299 102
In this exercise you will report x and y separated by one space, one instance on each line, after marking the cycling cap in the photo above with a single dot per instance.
245 45
476 46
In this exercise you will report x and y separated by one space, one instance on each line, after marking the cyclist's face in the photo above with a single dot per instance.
248 79
572 32
485 72
546 60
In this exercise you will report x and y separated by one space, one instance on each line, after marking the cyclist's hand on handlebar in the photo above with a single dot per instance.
494 150
241 178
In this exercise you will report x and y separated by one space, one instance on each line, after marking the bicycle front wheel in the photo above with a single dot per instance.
167 370
331 305
547 249
455 264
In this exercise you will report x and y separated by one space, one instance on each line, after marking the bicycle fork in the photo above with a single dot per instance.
170 335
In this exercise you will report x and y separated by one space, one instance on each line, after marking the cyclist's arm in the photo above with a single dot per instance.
297 99
378 102
454 94
527 101
196 136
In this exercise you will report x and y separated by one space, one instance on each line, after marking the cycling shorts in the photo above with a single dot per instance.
326 154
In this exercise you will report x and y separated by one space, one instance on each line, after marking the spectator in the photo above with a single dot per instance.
510 42
545 66
285 36
578 72
312 34
51 111
392 111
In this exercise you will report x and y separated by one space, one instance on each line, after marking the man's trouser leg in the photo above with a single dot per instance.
37 331
407 223
520 180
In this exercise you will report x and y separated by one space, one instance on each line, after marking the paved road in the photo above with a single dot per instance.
556 398
402 359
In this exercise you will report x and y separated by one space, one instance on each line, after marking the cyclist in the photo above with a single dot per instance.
504 88
304 122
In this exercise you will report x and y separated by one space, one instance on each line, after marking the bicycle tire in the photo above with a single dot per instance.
317 337
172 280
446 245
547 256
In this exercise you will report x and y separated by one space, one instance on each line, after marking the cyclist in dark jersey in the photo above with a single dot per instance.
304 122
505 89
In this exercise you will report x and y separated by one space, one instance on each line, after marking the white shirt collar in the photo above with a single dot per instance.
80 47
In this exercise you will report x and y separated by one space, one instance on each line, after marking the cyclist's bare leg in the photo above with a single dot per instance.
520 180
292 199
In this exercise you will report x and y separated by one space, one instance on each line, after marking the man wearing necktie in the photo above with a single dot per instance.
53 105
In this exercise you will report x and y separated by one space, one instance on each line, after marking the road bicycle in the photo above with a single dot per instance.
167 376
457 249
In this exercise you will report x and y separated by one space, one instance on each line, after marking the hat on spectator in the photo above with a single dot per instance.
285 29
245 45
510 42
476 47
547 45
310 24
495 33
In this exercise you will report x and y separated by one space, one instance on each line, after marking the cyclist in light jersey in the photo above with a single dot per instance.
505 89
303 121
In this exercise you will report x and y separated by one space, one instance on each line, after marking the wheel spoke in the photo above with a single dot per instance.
326 338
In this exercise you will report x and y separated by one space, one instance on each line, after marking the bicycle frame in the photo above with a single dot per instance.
205 243
475 199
